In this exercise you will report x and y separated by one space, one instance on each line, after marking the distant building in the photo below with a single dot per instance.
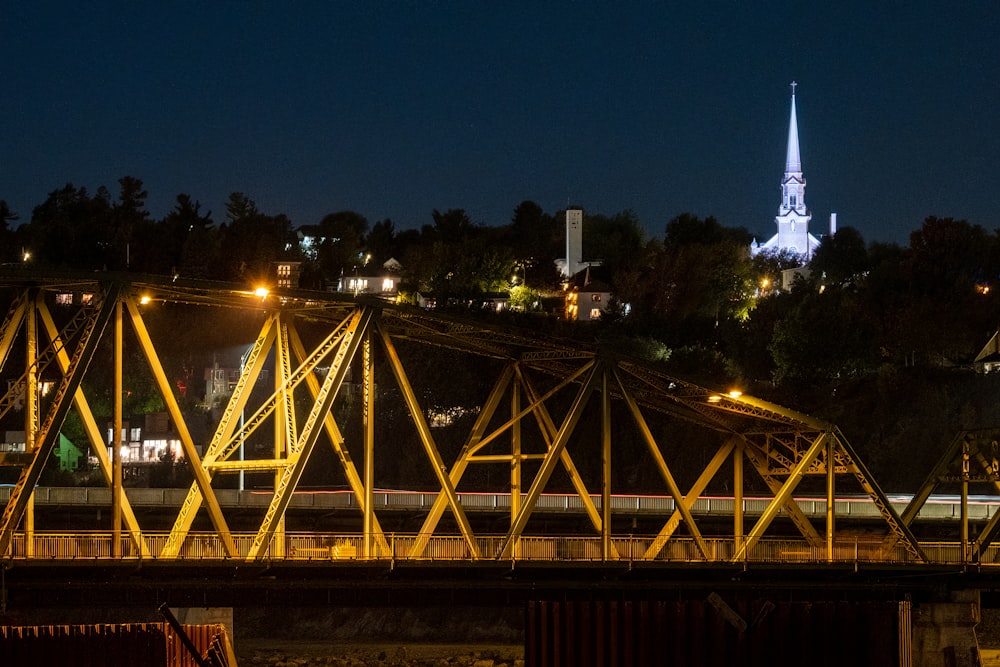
383 284
287 274
220 382
988 359
793 217
587 298
573 262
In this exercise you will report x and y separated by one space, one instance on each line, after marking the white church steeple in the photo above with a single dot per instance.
793 216
793 164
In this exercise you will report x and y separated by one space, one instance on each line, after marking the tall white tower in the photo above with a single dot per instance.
793 216
574 240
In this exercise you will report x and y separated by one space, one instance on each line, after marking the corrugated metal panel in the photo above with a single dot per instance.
125 645
712 633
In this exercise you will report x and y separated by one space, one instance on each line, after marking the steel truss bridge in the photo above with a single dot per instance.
536 420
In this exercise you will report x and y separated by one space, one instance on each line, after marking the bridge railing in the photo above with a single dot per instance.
402 547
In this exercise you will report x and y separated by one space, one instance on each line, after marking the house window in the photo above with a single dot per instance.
595 297
388 284
595 313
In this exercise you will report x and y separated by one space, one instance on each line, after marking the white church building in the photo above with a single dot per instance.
793 216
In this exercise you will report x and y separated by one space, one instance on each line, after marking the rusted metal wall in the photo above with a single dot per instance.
712 633
125 645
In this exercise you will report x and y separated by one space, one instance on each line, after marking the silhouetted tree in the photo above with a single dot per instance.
252 241
8 248
841 258
70 229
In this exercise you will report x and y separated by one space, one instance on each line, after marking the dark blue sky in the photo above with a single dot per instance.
394 109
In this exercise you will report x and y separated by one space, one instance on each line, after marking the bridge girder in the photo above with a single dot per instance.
548 382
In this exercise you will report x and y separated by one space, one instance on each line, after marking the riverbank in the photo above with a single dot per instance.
301 653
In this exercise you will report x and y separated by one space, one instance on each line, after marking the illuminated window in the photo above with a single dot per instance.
388 284
595 313
64 299
595 297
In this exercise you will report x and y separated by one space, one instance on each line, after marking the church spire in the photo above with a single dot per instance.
793 216
793 165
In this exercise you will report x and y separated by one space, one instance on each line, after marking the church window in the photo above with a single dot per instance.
791 200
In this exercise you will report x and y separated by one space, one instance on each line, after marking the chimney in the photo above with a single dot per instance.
833 224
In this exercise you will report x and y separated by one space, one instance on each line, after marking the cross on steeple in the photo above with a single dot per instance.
793 84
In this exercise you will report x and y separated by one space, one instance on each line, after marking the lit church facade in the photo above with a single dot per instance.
793 216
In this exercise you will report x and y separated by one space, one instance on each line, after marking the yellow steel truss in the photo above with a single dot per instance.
782 446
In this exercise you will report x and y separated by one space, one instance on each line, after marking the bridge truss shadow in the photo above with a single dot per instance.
545 395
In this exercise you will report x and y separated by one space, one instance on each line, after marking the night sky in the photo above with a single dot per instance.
393 109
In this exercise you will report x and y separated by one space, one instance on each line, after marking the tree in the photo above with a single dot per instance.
342 249
252 241
189 241
841 258
70 229
823 337
381 241
8 249
686 285
127 218
615 240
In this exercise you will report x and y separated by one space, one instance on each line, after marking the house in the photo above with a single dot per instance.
383 284
287 274
147 438
587 296
988 359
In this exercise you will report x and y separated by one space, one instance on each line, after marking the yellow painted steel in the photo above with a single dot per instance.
551 458
94 435
783 496
430 448
697 488
48 430
201 478
549 433
361 490
368 379
738 456
759 459
298 455
472 444
11 325
782 445
516 459
664 470
116 440
831 496
606 545
31 407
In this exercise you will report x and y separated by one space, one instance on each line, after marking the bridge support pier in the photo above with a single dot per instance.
206 616
944 633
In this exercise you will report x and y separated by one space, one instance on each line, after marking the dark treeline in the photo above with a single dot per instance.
694 293
878 337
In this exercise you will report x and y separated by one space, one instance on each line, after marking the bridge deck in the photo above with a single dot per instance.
345 547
